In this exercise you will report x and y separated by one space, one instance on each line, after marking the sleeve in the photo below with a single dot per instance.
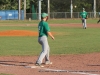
87 13
80 13
47 28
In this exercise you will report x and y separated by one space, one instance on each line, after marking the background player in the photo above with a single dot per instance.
99 18
84 16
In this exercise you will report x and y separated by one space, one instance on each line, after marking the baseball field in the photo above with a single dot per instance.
75 51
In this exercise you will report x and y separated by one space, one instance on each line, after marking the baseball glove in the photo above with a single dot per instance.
86 18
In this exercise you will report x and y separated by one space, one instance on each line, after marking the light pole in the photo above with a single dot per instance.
24 9
71 9
39 7
19 9
48 8
94 8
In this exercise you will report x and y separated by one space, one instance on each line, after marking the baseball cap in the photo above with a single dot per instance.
44 15
83 8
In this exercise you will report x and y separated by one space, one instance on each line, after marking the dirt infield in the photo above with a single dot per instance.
81 64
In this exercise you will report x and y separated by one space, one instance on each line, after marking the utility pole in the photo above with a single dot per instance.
94 8
48 8
24 9
71 9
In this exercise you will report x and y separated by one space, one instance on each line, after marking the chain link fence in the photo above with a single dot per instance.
60 15
53 15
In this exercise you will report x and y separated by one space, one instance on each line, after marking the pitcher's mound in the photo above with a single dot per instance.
18 33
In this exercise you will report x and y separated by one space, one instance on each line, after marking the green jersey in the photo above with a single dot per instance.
43 28
83 14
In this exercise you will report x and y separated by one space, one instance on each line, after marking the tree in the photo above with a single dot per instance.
55 5
87 4
8 4
60 5
98 5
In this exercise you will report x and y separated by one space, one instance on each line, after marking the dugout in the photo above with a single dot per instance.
10 14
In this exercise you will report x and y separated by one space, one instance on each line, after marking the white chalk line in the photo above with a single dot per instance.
83 73
57 70
67 71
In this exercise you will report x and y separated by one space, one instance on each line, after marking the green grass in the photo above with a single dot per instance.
77 41
4 28
68 40
51 21
4 74
64 21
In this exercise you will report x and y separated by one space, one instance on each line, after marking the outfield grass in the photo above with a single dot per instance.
68 40
51 21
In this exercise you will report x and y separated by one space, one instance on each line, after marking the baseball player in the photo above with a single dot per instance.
44 31
99 18
84 16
